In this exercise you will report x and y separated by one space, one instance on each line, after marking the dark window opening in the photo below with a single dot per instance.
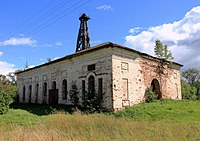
91 87
24 93
64 89
83 90
91 67
30 93
100 87
45 92
36 93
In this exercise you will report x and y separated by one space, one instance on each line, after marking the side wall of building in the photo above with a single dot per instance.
134 73
128 83
71 70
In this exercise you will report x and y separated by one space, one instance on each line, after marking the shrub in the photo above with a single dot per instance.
92 103
5 101
73 93
150 96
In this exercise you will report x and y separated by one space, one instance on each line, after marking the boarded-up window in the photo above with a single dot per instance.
125 95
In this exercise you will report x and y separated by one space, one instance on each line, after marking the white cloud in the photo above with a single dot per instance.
51 44
182 38
104 7
135 30
58 44
18 41
1 53
5 67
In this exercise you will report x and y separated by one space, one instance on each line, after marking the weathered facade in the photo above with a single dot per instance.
119 73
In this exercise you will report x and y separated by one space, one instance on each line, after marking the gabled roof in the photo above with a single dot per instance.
97 47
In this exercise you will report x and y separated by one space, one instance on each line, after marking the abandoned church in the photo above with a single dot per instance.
119 74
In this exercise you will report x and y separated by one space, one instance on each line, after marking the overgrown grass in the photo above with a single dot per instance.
162 120
165 110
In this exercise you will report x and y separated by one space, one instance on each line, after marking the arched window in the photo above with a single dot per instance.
24 93
44 92
64 89
36 92
91 86
54 85
30 93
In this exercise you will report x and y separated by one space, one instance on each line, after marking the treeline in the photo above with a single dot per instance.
190 83
8 91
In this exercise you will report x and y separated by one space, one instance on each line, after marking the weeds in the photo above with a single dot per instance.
160 120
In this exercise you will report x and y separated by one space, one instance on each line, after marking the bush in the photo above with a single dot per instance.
150 96
73 93
5 101
92 103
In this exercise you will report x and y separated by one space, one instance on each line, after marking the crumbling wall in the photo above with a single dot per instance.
133 73
168 76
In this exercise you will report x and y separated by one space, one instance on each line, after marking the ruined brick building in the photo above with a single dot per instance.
120 74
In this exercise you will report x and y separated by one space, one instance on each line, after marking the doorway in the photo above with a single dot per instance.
156 88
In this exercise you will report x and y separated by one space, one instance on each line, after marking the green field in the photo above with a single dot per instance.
161 120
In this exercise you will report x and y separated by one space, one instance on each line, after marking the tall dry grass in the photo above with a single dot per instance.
97 127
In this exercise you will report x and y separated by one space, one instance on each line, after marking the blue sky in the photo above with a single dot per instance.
34 30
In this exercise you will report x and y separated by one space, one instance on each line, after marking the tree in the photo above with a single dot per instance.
9 85
12 78
73 93
162 51
8 91
92 102
5 100
192 77
188 91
